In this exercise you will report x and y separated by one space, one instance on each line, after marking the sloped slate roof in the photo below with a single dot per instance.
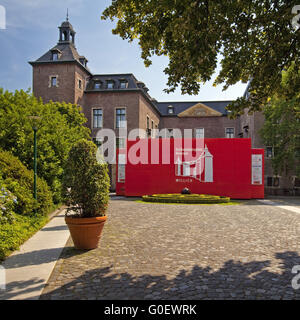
179 107
68 53
129 77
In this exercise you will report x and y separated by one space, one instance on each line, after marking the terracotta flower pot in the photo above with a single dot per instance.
86 232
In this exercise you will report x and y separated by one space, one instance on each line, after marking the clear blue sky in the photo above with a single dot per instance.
32 29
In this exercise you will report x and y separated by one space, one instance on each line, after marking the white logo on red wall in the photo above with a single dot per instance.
200 169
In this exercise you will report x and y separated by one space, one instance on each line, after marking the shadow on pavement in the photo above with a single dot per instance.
235 280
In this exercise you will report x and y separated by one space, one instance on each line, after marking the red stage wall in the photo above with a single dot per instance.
225 167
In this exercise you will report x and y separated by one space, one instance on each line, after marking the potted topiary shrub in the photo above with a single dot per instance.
86 191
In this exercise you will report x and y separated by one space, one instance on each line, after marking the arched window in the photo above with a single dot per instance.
65 36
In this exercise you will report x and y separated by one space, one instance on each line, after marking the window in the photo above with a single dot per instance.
65 36
54 56
110 85
229 132
148 127
170 110
79 84
83 61
269 152
297 183
98 118
97 85
156 132
199 133
53 81
121 143
269 181
273 182
121 118
123 84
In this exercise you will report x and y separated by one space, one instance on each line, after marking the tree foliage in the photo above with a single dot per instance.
255 40
60 126
282 123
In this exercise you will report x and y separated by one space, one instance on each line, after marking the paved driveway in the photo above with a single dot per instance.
154 251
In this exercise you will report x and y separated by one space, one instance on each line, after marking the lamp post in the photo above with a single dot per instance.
35 129
35 164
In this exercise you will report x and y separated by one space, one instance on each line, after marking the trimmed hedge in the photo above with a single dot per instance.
186 198
19 180
86 181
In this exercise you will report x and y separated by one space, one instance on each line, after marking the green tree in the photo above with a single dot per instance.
254 39
281 128
61 125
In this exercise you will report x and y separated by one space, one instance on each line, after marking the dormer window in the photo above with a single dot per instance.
83 61
170 110
97 85
110 84
55 54
123 84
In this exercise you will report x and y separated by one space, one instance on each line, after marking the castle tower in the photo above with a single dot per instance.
61 74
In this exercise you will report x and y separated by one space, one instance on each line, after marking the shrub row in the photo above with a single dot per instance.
15 234
187 198
19 181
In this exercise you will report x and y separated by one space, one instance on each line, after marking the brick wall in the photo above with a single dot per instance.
147 110
214 127
64 91
109 102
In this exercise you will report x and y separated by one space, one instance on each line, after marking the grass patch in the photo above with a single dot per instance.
15 234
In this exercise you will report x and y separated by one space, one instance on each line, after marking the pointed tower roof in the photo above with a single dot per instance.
65 49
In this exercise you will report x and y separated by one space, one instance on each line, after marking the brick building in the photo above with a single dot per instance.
120 102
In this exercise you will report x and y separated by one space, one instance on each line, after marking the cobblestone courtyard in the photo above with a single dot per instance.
154 251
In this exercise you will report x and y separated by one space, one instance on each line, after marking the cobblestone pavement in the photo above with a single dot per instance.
154 251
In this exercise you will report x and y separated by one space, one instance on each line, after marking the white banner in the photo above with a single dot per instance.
257 169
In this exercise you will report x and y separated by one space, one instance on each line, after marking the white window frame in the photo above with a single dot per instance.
108 85
55 54
123 144
171 108
122 124
96 127
123 84
230 133
97 85
203 133
52 84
